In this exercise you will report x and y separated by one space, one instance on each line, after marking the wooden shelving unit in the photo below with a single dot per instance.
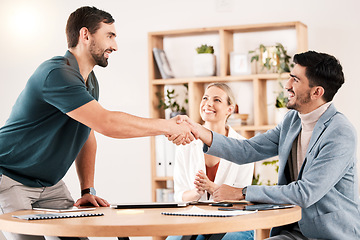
196 84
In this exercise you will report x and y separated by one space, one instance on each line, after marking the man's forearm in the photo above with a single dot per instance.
123 125
205 135
226 192
85 162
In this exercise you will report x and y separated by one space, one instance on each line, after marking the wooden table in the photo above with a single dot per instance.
146 222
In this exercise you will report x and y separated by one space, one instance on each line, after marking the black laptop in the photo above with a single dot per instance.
149 205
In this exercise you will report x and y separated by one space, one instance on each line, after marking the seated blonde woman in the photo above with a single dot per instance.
198 175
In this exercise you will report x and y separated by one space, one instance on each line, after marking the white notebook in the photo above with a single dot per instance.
198 212
57 215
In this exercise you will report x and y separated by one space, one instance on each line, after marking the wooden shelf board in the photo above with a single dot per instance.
264 76
264 27
236 28
162 179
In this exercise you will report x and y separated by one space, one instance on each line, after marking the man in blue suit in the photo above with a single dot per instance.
316 145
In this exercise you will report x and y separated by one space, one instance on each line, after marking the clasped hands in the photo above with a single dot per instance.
185 132
203 183
220 193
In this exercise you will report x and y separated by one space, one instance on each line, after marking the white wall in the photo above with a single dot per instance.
123 166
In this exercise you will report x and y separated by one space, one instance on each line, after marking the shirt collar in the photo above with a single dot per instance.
314 116
72 60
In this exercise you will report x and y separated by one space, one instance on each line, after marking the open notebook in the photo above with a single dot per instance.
57 215
198 212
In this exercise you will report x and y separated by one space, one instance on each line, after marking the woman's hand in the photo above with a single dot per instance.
203 183
192 195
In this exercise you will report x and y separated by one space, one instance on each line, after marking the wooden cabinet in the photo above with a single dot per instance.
196 84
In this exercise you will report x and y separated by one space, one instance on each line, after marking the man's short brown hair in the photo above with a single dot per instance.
89 17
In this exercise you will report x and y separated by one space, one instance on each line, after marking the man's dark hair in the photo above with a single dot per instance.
89 17
322 70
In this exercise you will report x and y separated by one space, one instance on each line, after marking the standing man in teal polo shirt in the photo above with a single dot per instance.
53 121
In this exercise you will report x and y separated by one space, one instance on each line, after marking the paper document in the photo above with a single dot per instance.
57 215
199 212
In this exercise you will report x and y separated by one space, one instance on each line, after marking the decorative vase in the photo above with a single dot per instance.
280 114
204 64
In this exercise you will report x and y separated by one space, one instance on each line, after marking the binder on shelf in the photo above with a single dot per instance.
160 155
165 156
170 149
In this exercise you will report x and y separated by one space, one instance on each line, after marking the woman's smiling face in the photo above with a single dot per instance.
214 106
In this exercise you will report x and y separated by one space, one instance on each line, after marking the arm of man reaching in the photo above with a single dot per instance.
123 125
117 125
85 167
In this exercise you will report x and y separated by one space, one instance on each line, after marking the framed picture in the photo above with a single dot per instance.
239 64
163 63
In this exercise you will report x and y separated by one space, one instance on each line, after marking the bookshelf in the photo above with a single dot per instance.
196 84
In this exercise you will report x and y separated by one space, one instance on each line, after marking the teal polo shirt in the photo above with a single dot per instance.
39 142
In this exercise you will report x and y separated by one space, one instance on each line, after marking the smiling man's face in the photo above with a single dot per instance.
103 43
298 89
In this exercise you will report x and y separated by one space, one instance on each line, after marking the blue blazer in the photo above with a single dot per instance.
327 186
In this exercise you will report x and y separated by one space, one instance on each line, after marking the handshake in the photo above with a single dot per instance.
186 130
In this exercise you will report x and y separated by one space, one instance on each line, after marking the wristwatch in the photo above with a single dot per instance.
89 190
244 191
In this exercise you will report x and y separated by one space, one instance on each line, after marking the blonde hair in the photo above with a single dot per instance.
230 95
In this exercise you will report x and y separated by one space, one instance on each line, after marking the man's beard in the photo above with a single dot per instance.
299 101
98 55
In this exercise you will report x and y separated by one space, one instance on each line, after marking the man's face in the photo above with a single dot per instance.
299 90
102 43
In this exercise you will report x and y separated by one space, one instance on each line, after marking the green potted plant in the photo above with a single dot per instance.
170 102
204 48
204 61
280 104
281 99
271 59
274 59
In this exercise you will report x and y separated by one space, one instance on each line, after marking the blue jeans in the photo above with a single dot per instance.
246 235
